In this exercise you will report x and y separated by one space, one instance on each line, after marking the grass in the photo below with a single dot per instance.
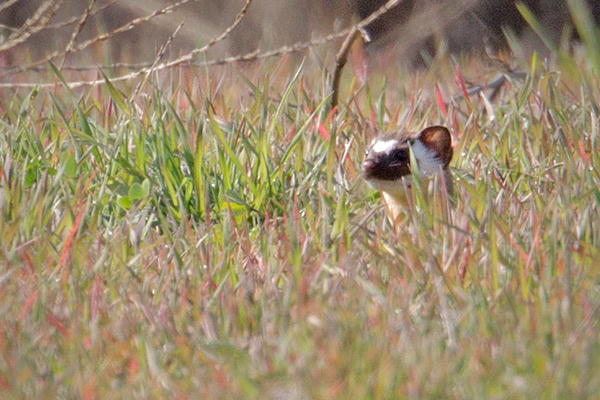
211 237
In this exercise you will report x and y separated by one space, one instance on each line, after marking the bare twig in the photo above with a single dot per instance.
416 34
8 28
33 25
252 56
226 32
76 18
184 59
100 38
418 27
118 65
57 25
340 61
342 55
157 59
82 20
7 4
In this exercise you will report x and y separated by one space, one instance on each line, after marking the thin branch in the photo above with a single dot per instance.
157 59
8 28
252 56
82 20
76 18
100 38
7 4
57 25
33 25
340 61
342 55
227 31
171 64
418 27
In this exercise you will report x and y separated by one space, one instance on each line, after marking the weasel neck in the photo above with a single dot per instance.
396 204
396 201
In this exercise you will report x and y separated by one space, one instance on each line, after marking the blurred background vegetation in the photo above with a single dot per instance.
128 31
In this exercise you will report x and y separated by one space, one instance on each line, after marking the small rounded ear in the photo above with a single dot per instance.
438 139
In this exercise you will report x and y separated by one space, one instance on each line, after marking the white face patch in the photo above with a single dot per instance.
384 146
429 162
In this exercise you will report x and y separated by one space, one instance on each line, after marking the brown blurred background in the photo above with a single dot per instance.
458 25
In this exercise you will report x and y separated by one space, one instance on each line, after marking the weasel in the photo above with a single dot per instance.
387 164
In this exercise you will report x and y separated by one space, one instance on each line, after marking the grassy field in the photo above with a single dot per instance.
211 237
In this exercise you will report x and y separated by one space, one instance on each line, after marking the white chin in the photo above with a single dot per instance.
392 187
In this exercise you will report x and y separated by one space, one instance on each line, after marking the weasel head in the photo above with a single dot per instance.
387 159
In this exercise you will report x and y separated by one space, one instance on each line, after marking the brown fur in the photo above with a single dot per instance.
386 170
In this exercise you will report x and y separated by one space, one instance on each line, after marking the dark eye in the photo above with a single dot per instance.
401 154
367 151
